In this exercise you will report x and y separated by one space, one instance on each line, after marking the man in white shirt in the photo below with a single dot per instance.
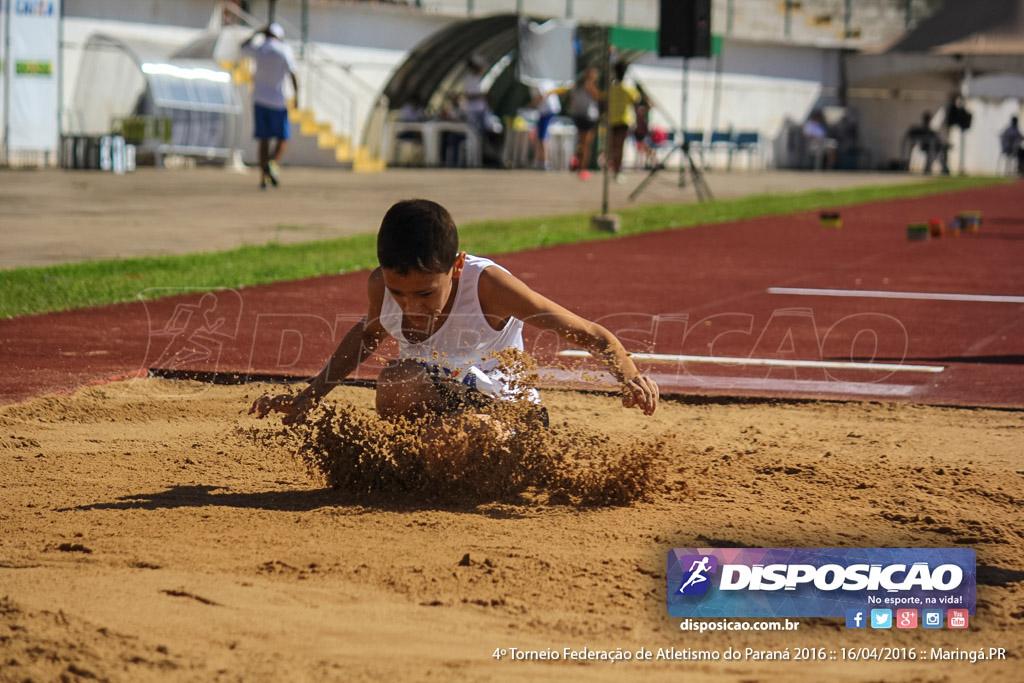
545 99
274 64
476 107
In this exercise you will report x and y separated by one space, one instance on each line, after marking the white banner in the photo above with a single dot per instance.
3 65
33 80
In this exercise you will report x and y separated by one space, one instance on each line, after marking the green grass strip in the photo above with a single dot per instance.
62 287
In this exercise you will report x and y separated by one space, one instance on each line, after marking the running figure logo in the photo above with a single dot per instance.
695 580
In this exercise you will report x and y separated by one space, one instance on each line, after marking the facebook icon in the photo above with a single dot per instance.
856 618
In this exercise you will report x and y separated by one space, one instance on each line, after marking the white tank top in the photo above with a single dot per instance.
463 348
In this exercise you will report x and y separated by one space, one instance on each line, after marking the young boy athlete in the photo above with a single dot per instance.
451 314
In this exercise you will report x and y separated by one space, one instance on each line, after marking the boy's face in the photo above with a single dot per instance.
422 296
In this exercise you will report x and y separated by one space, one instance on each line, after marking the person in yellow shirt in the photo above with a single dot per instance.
621 100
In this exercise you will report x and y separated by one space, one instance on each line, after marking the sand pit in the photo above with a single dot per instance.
147 536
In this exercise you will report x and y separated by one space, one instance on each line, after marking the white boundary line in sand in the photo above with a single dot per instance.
669 383
878 294
774 362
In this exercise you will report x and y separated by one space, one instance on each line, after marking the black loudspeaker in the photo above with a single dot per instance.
684 29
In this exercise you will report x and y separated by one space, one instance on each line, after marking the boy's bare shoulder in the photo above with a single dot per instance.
375 285
501 292
495 279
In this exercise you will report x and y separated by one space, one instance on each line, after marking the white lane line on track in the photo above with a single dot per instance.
878 294
775 362
669 383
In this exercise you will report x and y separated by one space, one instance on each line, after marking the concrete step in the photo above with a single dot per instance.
365 162
315 145
305 150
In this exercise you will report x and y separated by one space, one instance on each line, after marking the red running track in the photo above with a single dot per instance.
703 292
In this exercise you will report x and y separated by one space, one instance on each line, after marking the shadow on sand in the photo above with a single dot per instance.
199 496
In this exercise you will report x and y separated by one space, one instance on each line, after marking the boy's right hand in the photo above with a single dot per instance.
641 392
294 407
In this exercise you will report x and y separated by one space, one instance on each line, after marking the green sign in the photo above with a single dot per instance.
644 39
634 38
33 68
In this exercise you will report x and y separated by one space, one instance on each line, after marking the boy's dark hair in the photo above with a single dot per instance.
620 70
417 234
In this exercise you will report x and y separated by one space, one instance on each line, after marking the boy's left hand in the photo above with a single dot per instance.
294 407
641 392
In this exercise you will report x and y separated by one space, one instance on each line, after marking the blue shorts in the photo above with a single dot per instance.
458 396
542 126
270 123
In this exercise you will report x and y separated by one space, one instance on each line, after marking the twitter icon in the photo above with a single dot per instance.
881 618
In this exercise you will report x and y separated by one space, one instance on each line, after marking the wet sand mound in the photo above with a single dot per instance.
499 455
500 450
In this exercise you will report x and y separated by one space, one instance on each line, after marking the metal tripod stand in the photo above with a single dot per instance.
700 185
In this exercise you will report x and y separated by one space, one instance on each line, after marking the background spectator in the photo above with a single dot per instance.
1010 140
820 146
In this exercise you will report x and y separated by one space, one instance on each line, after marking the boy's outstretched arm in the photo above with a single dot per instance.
358 345
503 295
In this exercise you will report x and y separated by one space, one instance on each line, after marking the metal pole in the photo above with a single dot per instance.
352 143
730 11
568 9
686 82
7 81
307 89
847 11
788 19
621 15
607 118
305 28
60 84
270 11
909 12
716 103
682 120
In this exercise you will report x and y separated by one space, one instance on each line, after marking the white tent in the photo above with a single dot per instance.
138 79
975 49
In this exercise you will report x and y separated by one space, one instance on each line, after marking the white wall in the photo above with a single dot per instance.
981 144
811 22
885 120
178 13
762 86
384 26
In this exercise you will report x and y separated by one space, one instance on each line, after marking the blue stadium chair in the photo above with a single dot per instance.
749 142
722 139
